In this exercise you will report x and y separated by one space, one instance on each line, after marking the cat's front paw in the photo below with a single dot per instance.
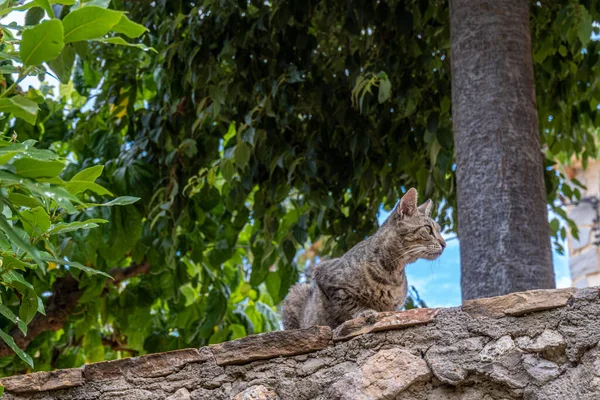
369 315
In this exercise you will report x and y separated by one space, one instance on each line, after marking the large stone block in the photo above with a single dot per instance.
272 344
384 321
383 376
44 381
149 366
517 304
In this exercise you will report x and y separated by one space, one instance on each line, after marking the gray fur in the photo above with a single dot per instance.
370 277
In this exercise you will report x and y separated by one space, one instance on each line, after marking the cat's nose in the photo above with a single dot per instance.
443 244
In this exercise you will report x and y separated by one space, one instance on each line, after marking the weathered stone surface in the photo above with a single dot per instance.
588 293
517 304
181 394
448 362
541 370
550 344
258 392
149 366
44 381
272 344
552 354
383 376
384 321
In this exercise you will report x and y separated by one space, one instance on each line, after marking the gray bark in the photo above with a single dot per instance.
502 216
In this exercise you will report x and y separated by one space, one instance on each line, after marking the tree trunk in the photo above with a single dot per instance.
502 217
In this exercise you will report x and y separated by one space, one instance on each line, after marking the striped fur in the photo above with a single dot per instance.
370 277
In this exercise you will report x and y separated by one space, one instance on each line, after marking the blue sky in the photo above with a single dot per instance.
438 282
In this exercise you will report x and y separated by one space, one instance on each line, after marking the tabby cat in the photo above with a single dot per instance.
370 277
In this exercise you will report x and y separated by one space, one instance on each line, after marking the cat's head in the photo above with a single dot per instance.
413 230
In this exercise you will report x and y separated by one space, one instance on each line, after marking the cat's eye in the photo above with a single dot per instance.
430 230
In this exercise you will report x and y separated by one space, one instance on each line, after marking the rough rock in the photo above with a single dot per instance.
517 304
258 392
150 366
540 369
545 346
384 321
383 376
42 381
181 394
272 344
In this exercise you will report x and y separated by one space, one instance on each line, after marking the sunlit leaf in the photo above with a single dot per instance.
43 42
32 168
20 107
129 28
64 227
89 22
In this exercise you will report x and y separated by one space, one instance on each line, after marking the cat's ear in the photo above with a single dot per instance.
425 208
408 204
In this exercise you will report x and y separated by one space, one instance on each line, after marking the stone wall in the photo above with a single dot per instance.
540 344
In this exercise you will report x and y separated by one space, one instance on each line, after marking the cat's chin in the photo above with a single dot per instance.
433 255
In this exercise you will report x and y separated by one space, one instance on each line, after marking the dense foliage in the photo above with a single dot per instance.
45 203
260 137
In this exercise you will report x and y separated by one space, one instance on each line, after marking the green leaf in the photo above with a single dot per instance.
84 180
121 201
129 28
16 279
32 168
121 42
17 8
89 174
562 50
16 239
92 344
554 225
8 314
584 30
385 90
63 64
45 4
10 262
11 343
289 250
87 3
34 16
75 265
29 305
64 227
41 43
242 154
10 151
20 107
75 187
227 169
35 221
90 22
445 104
237 331
216 309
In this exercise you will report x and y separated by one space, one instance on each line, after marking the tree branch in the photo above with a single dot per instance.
61 304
